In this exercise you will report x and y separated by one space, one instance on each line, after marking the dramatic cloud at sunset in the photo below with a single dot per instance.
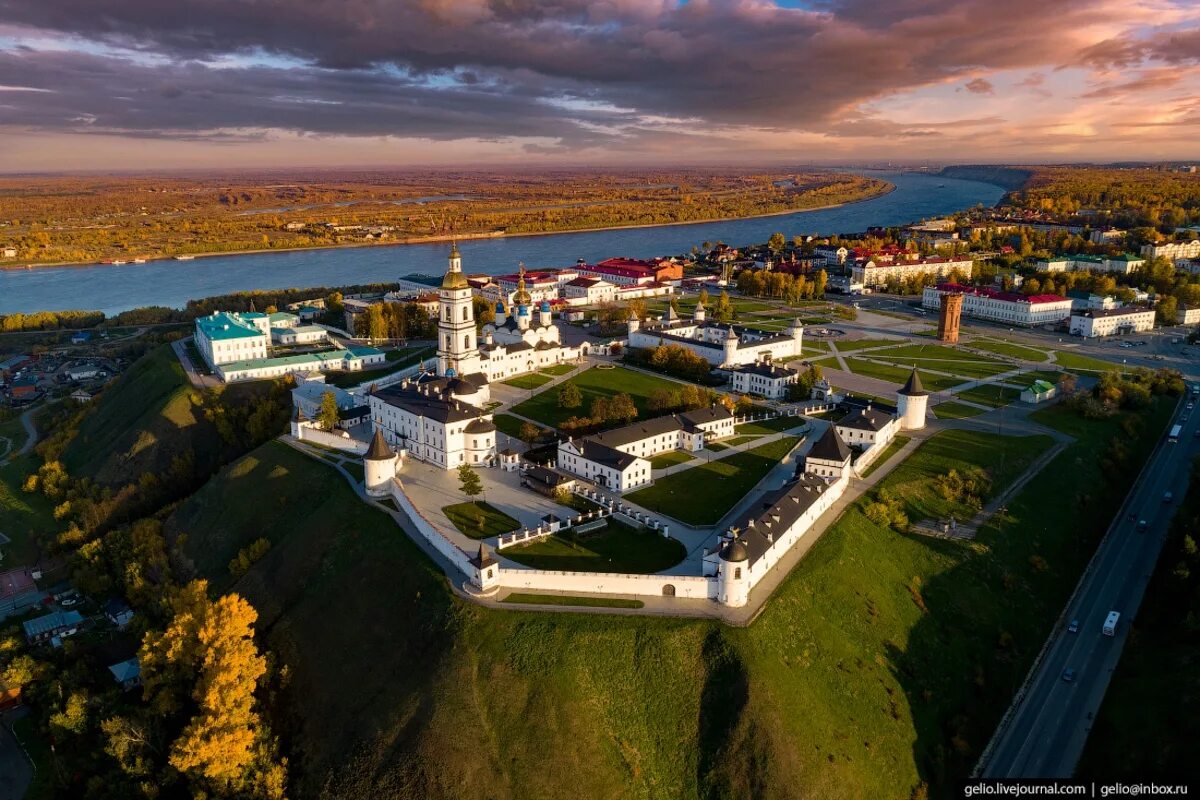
128 83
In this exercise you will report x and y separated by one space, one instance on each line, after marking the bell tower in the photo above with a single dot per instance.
458 349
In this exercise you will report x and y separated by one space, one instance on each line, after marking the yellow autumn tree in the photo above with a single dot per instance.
218 742
207 654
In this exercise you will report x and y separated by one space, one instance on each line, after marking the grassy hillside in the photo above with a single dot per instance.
151 416
882 663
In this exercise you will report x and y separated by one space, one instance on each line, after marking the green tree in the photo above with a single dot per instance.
1168 308
569 396
327 414
776 242
819 283
469 481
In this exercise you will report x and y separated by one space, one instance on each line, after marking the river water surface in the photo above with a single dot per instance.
111 288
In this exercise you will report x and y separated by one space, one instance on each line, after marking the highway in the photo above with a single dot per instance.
1043 734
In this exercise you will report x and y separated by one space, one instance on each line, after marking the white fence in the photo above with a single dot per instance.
309 433
692 586
426 528
387 380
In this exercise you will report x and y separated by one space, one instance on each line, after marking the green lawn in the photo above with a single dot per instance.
850 345
593 383
508 424
565 600
1081 363
773 425
670 459
479 520
893 447
702 495
1010 349
927 352
955 410
991 395
899 375
558 369
531 381
1026 378
617 547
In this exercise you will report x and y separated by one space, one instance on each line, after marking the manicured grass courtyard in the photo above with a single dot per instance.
508 424
617 547
773 425
702 495
1048 375
1011 350
479 520
850 345
566 600
558 369
670 459
531 381
990 395
898 374
924 352
1081 363
955 410
593 383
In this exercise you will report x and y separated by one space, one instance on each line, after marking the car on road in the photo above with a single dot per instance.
1068 675
1132 517
1168 497
1142 525
1073 627
1190 406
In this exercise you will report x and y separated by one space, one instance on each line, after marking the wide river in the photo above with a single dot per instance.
172 283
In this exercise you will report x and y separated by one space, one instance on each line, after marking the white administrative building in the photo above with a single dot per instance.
1011 308
1096 322
721 344
618 460
251 345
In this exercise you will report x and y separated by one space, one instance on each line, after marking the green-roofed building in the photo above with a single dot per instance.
1039 392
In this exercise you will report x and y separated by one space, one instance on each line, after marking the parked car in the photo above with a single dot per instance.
70 601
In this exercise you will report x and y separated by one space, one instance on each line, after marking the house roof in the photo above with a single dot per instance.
50 622
430 402
546 476
765 370
830 447
1127 311
224 325
867 419
778 512
128 670
601 453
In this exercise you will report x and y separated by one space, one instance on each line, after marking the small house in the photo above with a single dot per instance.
1039 392
127 673
118 612
53 625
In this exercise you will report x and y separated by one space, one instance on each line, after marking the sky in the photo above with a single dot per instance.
187 84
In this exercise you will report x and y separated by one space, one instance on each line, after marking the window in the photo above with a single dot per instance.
737 574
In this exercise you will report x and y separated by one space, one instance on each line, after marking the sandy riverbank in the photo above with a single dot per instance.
888 189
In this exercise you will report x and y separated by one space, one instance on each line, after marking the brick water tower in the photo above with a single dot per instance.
949 317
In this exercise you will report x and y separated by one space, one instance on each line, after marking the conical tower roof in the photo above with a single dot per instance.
914 388
379 450
483 559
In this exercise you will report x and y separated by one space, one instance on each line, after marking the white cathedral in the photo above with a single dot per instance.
441 419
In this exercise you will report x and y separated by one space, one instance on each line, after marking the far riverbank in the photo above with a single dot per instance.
888 188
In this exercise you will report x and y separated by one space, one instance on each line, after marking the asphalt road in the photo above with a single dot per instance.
1044 734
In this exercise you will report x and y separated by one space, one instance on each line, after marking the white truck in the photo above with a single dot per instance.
1110 623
